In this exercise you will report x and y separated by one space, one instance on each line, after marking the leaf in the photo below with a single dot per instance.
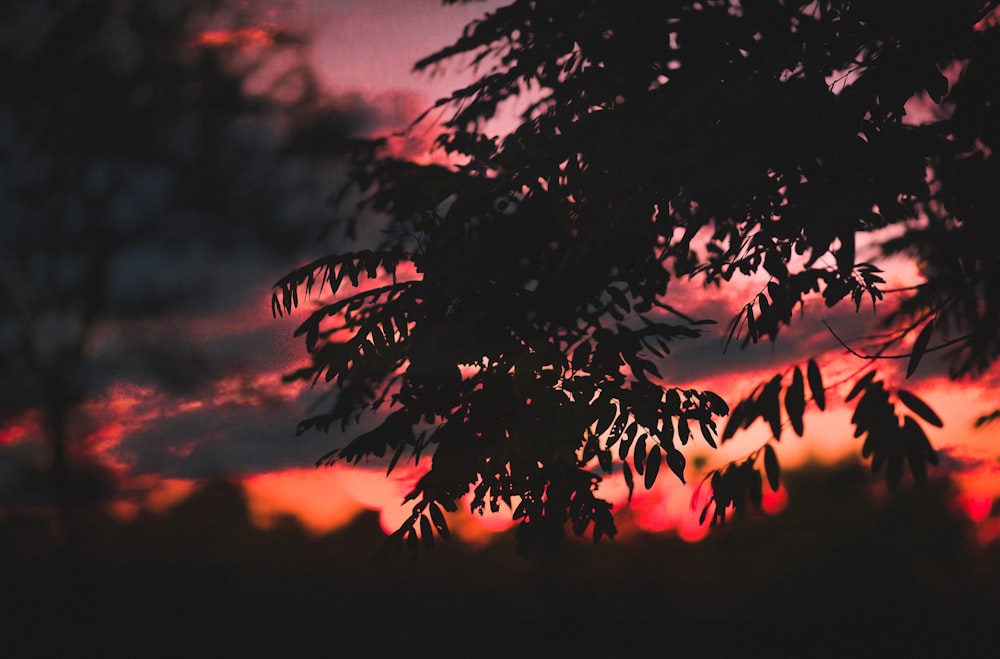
987 418
917 448
676 461
860 386
426 532
624 446
706 433
639 454
652 466
683 430
735 419
672 402
919 348
795 401
751 326
437 517
816 384
395 458
581 356
937 86
771 405
771 467
919 407
629 479
733 326
606 418
718 404
412 542
667 436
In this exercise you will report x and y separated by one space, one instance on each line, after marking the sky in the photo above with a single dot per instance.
195 391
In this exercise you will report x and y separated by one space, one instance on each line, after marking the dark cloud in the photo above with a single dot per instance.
224 438
953 460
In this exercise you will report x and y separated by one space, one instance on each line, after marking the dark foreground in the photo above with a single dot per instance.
837 574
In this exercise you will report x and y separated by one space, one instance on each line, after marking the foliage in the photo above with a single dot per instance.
661 139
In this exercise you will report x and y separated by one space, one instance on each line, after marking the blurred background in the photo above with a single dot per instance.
162 163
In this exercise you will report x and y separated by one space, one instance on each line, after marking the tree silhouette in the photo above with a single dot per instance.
134 157
661 140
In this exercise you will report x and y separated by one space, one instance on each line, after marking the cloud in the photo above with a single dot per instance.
954 460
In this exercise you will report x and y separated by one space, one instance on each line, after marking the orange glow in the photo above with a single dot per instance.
246 37
165 493
313 496
372 489
153 493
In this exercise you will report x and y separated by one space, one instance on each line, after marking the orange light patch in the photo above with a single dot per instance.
246 37
165 493
372 489
313 496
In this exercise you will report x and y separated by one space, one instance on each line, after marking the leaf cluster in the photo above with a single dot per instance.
662 139
891 440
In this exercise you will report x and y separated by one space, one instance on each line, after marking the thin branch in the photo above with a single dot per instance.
881 355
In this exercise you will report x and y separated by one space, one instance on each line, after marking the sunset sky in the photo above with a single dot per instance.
228 413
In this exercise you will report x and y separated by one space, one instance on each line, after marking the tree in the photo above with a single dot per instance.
661 140
135 155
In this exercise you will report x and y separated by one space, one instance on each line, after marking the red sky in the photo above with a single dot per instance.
162 441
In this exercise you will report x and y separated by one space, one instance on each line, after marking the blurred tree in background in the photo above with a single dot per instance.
144 146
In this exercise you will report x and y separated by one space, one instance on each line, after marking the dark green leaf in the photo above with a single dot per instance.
629 480
395 458
771 468
667 436
717 404
919 348
581 355
412 542
920 408
795 401
816 384
770 405
426 532
917 449
672 405
860 386
735 420
676 461
707 434
639 454
607 417
652 466
437 517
